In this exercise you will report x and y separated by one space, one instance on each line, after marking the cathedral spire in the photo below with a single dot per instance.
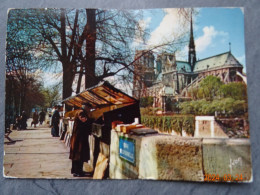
192 51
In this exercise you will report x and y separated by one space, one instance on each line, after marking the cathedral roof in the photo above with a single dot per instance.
213 62
183 66
217 61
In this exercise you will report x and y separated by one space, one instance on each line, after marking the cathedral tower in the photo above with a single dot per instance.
192 51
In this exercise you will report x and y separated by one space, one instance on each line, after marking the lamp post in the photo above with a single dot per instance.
178 109
164 103
163 100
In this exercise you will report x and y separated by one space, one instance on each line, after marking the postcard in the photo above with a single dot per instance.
157 94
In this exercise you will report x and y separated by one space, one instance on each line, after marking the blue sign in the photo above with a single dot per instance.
127 149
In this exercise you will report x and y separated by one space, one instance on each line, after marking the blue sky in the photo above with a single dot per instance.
213 28
229 27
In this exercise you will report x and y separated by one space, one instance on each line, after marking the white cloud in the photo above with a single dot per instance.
206 40
171 27
143 24
242 59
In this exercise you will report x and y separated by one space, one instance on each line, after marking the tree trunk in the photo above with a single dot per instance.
80 79
68 77
23 95
90 77
68 74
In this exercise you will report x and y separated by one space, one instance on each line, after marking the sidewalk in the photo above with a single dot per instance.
36 154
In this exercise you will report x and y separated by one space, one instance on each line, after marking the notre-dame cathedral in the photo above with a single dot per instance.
173 79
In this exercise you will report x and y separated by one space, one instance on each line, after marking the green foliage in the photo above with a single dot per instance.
149 111
194 93
169 123
225 106
51 95
213 96
237 91
146 102
171 104
209 87
22 94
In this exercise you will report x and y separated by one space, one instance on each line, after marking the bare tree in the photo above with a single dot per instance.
91 42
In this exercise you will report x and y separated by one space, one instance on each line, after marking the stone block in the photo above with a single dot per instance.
170 158
160 157
118 167
227 158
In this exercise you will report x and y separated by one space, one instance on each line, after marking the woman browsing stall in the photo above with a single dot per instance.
79 145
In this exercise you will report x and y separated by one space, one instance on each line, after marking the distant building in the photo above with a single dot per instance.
171 79
144 74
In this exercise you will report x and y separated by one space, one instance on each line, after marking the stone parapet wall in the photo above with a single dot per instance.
170 158
118 167
167 157
227 158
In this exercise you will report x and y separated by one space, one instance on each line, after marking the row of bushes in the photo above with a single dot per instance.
149 111
146 101
212 87
168 124
225 106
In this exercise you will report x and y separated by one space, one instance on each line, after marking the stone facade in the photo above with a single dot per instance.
144 74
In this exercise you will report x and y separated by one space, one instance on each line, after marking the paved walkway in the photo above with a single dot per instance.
36 154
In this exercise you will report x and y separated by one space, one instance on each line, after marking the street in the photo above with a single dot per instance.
36 154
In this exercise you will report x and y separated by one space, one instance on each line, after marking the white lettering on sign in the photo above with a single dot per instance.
126 153
127 150
234 163
125 145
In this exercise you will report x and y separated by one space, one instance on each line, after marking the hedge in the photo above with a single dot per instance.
169 123
224 106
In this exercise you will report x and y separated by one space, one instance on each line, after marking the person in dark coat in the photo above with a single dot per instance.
17 122
35 118
41 117
79 144
23 121
55 121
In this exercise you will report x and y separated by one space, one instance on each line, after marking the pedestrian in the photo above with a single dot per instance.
41 117
79 144
17 122
55 121
23 121
51 114
35 118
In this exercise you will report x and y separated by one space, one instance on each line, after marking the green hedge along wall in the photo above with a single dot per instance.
169 123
